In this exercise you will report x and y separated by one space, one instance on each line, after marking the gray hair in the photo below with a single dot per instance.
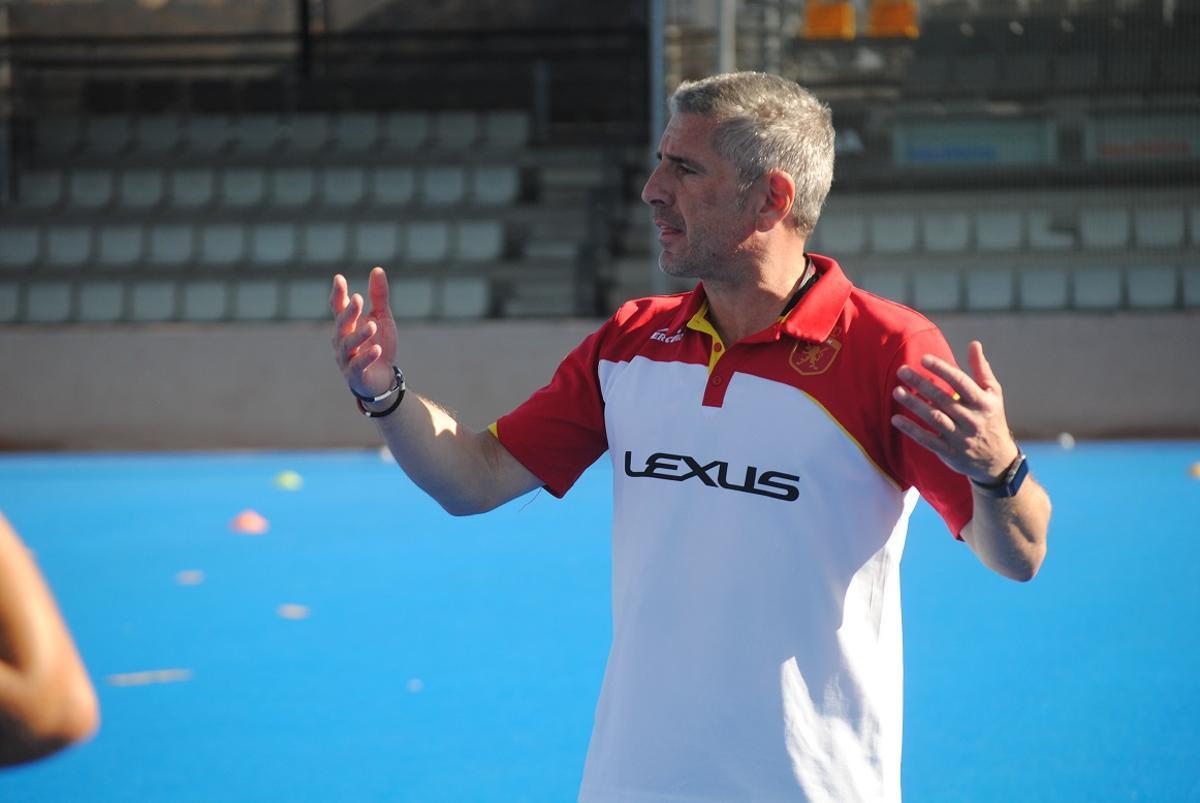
766 123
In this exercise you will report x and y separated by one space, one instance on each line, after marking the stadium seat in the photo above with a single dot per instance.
255 300
494 185
172 244
55 137
1104 227
292 186
10 301
998 230
108 135
412 298
19 246
101 302
140 189
120 246
192 188
306 300
946 231
392 185
1097 288
893 232
990 289
1194 224
376 243
222 244
1045 289
356 133
889 284
842 233
259 134
1076 71
979 71
90 189
48 302
937 291
1050 231
1028 71
152 300
428 242
1179 67
325 242
343 186
443 185
480 241
1130 67
1152 286
308 133
406 130
243 187
205 300
1191 286
158 134
455 129
273 243
466 297
40 189
506 129
68 245
1158 227
208 134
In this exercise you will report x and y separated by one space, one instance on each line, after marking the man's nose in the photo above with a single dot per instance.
653 192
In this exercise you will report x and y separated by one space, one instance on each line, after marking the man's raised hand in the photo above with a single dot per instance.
364 344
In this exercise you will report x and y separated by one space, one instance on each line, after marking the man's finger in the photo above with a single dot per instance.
377 289
360 335
347 319
919 434
980 367
337 297
927 388
363 360
935 418
962 384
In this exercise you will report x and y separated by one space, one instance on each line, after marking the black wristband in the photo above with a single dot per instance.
398 389
397 385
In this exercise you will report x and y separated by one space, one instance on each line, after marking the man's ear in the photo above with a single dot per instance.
779 193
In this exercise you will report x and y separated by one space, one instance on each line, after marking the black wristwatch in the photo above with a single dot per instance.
1009 482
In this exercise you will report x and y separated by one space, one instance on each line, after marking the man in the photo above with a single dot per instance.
46 699
768 432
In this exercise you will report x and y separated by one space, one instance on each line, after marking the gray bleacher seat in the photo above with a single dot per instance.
1050 231
936 291
842 233
208 134
255 300
392 185
887 283
1027 70
325 242
406 130
10 301
306 300
55 137
222 244
1129 66
494 185
1158 227
480 240
40 189
273 243
428 241
1194 224
998 230
977 71
152 300
308 133
259 133
443 185
107 135
68 245
1152 286
465 297
506 129
893 232
242 187
90 189
1104 227
101 301
946 231
172 244
19 246
455 129
191 188
356 132
120 246
48 302
140 189
343 186
1179 68
1076 71
204 300
377 243
990 289
292 186
1191 286
1097 288
412 298
158 134
1044 289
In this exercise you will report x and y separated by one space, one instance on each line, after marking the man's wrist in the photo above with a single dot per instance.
385 403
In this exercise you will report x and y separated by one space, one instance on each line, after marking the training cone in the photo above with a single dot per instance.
1194 471
249 522
289 481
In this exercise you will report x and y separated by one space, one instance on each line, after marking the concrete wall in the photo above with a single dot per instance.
276 386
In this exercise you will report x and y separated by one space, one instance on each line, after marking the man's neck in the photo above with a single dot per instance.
738 310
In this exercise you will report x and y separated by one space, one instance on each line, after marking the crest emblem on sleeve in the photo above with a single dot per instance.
811 359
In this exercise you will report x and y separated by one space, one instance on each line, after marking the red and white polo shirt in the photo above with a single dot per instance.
761 500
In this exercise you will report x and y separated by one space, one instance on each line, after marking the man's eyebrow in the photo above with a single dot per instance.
681 161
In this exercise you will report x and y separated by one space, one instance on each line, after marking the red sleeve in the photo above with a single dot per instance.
947 491
559 431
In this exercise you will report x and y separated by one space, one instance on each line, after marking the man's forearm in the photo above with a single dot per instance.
1009 534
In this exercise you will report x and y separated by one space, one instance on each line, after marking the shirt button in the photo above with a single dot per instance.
717 381
718 348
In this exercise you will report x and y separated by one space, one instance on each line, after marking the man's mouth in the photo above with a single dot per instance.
667 230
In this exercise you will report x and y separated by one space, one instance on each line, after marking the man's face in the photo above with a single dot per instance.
703 224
